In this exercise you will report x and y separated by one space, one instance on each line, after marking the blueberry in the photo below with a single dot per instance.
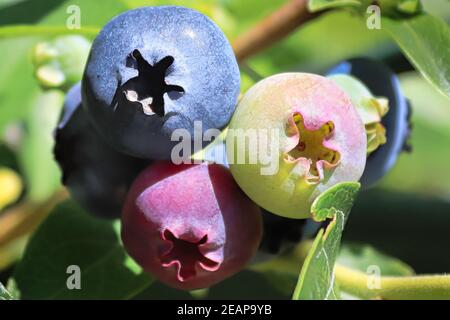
59 62
381 81
319 140
190 226
280 234
153 70
96 175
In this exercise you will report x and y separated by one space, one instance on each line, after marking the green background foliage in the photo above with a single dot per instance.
405 216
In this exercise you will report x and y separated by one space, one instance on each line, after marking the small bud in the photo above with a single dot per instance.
60 63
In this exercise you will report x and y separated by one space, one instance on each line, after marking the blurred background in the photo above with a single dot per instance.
407 215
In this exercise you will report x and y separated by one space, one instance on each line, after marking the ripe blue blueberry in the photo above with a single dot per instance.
381 81
96 175
153 70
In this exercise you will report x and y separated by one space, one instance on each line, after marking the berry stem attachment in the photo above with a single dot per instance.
272 28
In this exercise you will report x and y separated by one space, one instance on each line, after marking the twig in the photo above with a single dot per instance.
273 28
25 217
393 288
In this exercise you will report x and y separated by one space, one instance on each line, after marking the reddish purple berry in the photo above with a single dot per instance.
190 225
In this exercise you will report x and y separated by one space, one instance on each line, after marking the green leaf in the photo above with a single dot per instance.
282 271
425 40
430 136
244 13
13 11
4 294
214 9
93 13
6 3
338 200
409 6
69 237
36 153
394 8
319 5
18 87
316 280
44 12
44 31
437 8
362 257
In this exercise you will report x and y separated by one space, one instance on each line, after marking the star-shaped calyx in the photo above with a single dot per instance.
149 86
310 146
186 255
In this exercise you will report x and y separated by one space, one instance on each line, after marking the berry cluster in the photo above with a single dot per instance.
155 70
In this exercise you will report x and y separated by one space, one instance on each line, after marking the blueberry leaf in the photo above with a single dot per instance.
319 5
425 40
422 38
338 200
47 31
71 237
16 73
44 12
431 116
4 294
316 280
394 8
363 257
35 155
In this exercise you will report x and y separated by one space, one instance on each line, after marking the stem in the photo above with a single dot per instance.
31 30
23 218
273 28
429 287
